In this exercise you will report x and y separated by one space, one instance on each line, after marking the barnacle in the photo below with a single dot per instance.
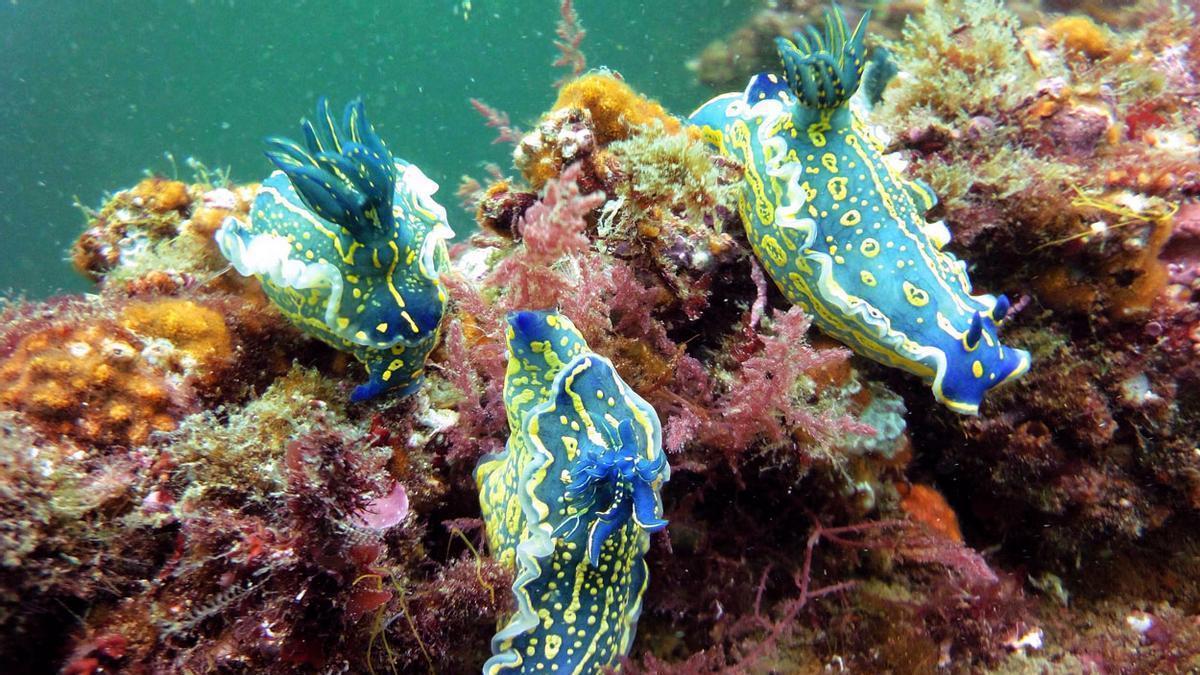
843 234
349 244
571 501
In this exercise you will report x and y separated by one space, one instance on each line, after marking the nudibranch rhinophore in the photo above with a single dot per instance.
571 501
843 233
349 244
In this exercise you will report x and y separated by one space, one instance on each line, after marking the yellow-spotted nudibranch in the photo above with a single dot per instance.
349 244
843 234
570 502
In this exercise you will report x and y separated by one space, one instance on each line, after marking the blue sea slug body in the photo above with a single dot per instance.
349 244
571 501
843 234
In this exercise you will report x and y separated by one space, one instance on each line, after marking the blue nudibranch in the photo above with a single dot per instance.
843 234
571 501
349 244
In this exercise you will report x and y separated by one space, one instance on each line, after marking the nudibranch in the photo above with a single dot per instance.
349 244
840 230
570 502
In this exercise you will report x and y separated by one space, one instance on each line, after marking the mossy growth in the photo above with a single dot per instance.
1138 63
671 169
1007 171
963 102
243 450
962 58
70 533
185 253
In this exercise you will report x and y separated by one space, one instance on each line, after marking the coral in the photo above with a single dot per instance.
1125 281
672 211
1053 182
1000 113
281 515
299 564
884 413
927 506
161 195
196 333
825 514
962 58
115 370
1081 35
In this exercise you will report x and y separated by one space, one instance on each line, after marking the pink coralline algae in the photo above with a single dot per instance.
384 512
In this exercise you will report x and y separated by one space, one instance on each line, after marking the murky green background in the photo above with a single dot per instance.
92 93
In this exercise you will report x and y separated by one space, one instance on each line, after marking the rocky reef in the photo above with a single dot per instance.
186 485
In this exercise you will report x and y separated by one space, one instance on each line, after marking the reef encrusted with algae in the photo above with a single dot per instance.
185 484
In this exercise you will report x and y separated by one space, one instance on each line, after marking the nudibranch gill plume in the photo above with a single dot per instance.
571 502
843 234
349 244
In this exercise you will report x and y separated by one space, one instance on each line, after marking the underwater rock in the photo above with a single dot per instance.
561 138
501 208
369 248
157 227
750 49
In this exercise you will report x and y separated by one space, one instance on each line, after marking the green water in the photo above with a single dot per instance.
93 93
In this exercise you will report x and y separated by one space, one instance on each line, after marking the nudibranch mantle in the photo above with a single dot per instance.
349 244
843 234
584 467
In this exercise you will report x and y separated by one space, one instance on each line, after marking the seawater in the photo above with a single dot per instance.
94 94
